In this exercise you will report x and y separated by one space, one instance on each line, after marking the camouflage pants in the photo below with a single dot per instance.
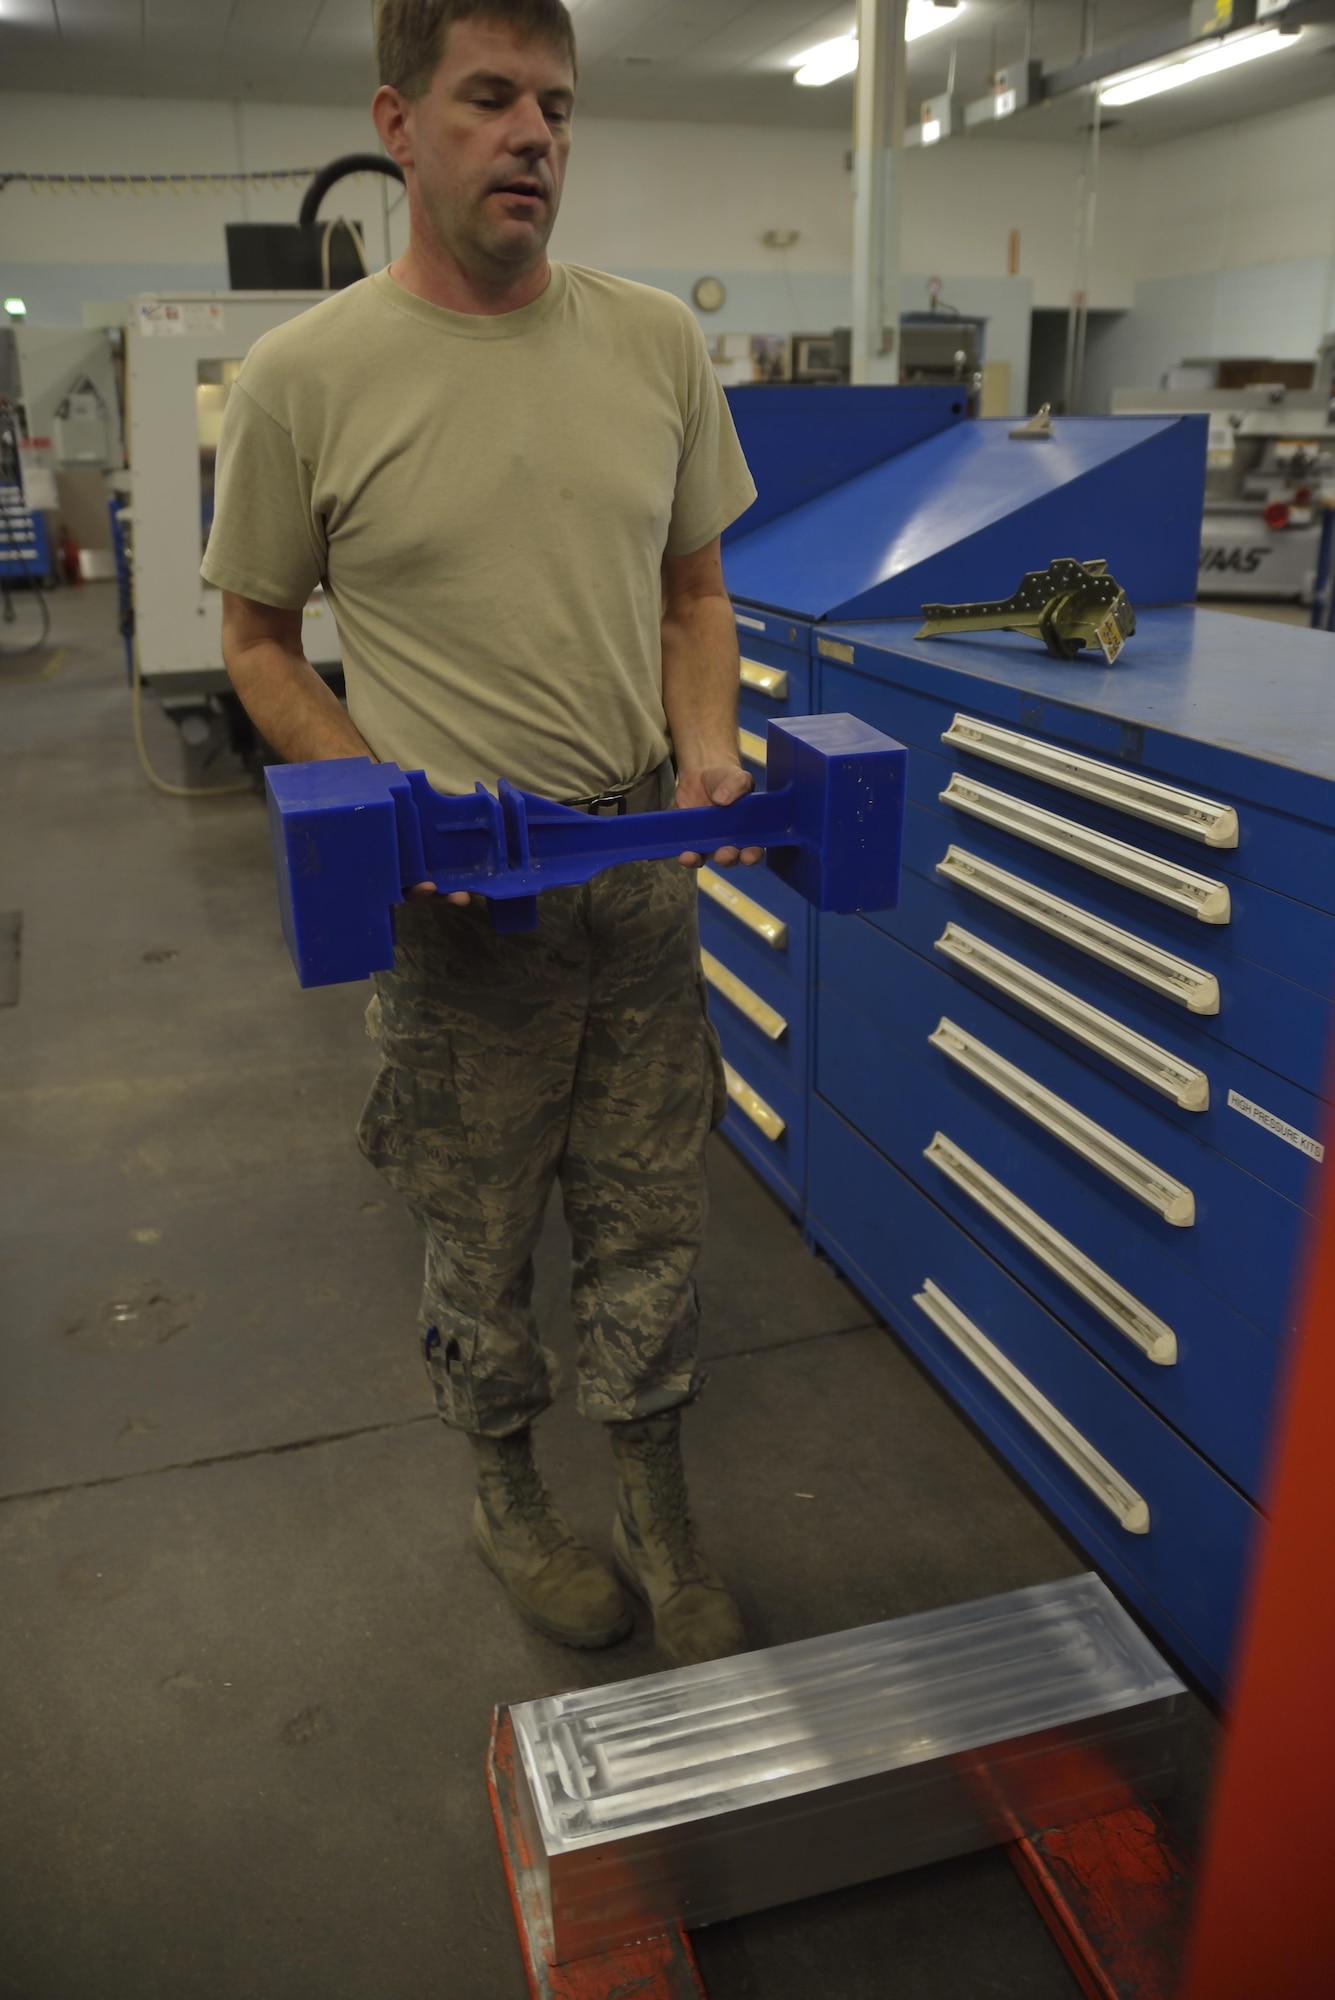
582 1051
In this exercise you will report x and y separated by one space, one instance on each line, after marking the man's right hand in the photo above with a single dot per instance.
420 891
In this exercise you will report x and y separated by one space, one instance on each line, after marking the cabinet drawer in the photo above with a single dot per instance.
766 1009
1185 1568
1293 856
767 1117
769 636
1124 1297
774 682
1284 1027
1244 1240
1142 867
933 916
750 911
1244 920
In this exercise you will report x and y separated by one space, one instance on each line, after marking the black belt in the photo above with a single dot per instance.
640 796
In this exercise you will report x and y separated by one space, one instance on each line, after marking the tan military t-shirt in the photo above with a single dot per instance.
487 501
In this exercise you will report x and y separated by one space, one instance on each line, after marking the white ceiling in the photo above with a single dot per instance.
723 61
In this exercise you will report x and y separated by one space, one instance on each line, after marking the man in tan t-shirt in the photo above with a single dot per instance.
511 478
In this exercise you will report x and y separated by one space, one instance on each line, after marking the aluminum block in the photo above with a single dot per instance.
699 1794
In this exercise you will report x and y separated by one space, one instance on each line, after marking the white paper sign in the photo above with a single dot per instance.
180 316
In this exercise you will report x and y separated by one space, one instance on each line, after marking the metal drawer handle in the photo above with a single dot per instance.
1107 784
1090 1467
772 681
1144 1329
1112 1156
769 1021
1164 974
752 1105
1131 866
754 915
752 747
1187 1086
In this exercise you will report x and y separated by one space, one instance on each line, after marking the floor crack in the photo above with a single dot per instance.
217 1458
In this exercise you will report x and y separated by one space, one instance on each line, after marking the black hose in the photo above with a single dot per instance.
337 170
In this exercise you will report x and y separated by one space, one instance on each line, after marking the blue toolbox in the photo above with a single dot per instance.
1066 1103
25 547
1069 1099
873 502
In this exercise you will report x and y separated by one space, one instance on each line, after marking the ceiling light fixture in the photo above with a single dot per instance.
1193 68
827 61
830 60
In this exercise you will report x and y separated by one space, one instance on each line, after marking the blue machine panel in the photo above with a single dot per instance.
966 513
801 441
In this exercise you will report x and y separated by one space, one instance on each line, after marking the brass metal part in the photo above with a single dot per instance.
1068 605
1038 426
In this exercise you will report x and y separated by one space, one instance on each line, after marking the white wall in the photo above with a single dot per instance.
1234 236
662 202
1210 245
58 250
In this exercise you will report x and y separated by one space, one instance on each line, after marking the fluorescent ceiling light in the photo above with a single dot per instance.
831 60
924 17
1213 61
827 61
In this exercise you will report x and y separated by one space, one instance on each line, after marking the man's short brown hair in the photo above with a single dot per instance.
410 34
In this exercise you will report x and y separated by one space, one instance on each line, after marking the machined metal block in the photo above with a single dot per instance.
695 1795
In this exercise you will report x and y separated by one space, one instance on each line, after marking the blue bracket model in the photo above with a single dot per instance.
349 836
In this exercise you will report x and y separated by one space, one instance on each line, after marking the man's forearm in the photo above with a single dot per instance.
701 671
291 706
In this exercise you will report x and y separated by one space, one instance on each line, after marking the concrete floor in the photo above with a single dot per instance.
249 1655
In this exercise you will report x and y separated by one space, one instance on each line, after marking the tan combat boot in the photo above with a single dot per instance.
557 1584
656 1551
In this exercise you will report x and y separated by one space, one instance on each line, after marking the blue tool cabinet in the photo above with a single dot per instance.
1065 1106
1031 1136
871 501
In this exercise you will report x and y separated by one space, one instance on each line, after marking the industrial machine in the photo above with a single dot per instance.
182 357
1270 464
937 348
61 381
60 433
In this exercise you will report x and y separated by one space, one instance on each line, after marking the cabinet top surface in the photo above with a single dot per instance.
1243 686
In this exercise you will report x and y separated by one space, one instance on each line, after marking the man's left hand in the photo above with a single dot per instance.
716 785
